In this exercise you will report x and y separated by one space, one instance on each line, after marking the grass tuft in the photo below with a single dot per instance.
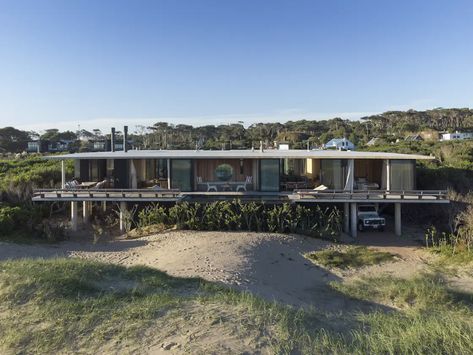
70 305
351 257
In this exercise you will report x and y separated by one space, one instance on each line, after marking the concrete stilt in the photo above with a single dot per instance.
122 217
104 206
63 174
346 217
74 216
353 220
397 219
86 211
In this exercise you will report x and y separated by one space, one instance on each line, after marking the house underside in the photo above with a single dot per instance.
272 176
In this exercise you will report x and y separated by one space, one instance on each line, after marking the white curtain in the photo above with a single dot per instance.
133 178
384 176
350 173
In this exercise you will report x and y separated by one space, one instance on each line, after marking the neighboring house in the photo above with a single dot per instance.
414 138
456 135
430 135
37 146
339 144
104 145
46 146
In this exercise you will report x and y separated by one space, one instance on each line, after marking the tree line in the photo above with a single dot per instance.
163 135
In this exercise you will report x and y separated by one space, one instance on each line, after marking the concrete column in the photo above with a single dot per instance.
104 206
168 164
346 217
74 216
86 211
63 174
122 218
388 174
397 219
353 220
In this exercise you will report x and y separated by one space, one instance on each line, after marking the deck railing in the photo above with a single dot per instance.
373 195
104 194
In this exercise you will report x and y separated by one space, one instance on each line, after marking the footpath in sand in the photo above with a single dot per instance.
266 264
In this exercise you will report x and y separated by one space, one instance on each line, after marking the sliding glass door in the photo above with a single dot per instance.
181 174
269 175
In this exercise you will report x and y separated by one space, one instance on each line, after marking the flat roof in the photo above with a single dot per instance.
239 154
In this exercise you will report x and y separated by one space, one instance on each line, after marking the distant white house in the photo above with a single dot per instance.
340 144
456 135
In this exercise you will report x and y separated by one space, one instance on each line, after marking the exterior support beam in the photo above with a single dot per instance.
168 165
122 216
388 175
397 219
104 206
63 174
354 220
74 216
346 217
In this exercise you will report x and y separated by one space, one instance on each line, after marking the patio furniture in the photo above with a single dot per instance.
364 184
73 184
102 184
248 181
321 188
87 184
210 186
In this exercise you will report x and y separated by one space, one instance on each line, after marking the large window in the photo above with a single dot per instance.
269 175
97 169
156 169
402 174
333 173
181 174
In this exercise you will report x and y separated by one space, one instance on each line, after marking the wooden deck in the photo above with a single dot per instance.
378 196
144 195
297 196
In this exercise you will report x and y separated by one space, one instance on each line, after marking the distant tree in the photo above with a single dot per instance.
13 140
53 134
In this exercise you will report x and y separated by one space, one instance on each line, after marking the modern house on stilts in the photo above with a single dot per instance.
273 176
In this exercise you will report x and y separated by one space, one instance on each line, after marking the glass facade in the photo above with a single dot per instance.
156 169
333 173
181 174
402 174
269 175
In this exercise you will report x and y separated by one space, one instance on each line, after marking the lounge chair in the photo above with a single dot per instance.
73 184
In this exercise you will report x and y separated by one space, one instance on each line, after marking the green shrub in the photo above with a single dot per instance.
152 214
10 219
237 215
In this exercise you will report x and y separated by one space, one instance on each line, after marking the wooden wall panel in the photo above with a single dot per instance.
370 169
206 168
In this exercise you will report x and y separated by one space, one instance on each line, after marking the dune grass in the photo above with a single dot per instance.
351 257
67 305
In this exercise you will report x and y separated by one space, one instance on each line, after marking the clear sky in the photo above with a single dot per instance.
99 63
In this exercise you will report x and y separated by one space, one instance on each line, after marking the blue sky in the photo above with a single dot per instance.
101 63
